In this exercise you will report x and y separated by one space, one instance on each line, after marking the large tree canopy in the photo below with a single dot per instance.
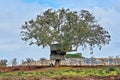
66 28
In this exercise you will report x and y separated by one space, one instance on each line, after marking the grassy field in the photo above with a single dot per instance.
63 71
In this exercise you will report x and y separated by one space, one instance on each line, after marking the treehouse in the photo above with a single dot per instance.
56 52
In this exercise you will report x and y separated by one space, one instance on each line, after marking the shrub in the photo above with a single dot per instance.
111 68
20 73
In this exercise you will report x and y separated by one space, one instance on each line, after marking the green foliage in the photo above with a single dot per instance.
77 55
67 28
20 73
111 68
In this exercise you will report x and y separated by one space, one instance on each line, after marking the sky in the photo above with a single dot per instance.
14 13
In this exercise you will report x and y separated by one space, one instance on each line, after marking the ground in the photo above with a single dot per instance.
47 68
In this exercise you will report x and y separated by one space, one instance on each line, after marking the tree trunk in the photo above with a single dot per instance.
57 63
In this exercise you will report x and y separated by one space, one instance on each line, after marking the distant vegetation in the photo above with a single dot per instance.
3 62
76 55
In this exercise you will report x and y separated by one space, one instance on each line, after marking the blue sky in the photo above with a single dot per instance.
13 14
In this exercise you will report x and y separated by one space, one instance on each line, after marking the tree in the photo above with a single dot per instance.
23 62
66 28
43 59
3 63
14 62
29 61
